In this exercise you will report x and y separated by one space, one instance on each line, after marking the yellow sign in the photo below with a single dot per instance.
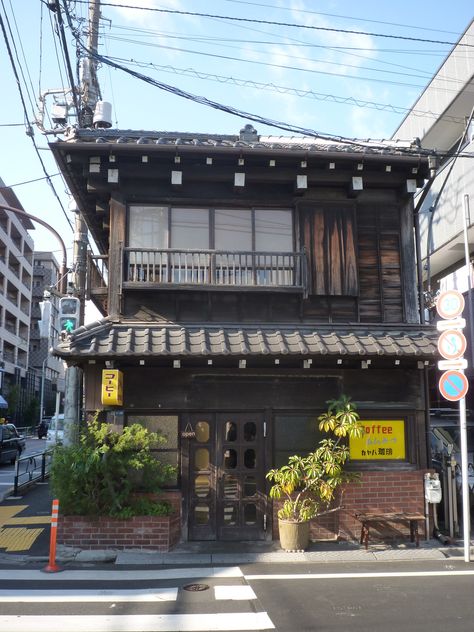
112 387
381 440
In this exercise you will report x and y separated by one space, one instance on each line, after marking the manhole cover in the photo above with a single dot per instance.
196 587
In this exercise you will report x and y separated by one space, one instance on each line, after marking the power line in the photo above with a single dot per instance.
294 68
25 112
424 75
286 24
299 92
19 184
337 15
234 111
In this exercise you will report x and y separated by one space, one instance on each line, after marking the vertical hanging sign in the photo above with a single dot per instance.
453 384
112 389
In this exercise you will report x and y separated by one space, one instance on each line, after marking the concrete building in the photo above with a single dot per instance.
44 328
16 273
442 118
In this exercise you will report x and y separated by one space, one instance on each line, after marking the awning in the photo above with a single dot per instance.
3 402
107 339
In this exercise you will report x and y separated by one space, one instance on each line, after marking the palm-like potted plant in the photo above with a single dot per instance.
309 483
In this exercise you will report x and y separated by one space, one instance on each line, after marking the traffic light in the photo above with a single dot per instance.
69 313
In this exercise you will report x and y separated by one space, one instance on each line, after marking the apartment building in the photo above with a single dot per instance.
44 328
16 273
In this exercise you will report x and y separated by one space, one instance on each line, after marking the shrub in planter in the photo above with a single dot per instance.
309 483
100 475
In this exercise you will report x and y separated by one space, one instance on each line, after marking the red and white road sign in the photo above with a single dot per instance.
452 344
450 304
453 385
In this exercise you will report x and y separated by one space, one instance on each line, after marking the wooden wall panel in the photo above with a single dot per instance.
329 237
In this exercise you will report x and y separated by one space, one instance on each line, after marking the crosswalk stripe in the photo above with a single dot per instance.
82 595
118 575
139 622
236 593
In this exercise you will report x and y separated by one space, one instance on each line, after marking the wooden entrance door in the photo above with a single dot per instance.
226 495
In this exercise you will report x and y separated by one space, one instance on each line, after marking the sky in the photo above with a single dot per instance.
333 66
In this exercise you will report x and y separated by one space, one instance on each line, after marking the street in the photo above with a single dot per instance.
414 596
7 471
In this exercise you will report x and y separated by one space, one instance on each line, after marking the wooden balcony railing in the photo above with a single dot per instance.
97 274
216 268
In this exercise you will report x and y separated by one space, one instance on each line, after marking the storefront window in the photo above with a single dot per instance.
295 434
166 425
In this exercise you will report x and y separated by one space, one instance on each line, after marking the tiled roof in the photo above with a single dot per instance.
277 143
106 339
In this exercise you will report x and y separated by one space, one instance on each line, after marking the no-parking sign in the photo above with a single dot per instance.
453 385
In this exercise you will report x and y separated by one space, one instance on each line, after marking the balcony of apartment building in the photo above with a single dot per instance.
22 358
28 253
4 221
12 293
25 305
14 265
26 279
16 237
10 323
9 353
23 334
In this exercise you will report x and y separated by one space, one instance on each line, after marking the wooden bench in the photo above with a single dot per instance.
368 519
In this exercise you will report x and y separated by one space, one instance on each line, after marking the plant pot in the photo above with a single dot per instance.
294 536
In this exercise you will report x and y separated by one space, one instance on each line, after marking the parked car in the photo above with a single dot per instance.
55 431
12 443
42 428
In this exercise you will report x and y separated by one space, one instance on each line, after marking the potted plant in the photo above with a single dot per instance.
309 483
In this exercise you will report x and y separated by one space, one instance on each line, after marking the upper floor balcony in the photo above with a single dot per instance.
151 269
213 269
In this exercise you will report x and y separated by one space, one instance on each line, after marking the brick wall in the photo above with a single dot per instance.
159 533
378 492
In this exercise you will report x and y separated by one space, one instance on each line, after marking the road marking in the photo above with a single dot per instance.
8 515
361 575
18 539
236 593
139 622
69 596
92 575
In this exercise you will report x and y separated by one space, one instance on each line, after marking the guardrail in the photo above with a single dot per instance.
31 469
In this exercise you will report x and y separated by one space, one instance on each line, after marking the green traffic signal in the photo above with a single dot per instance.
69 326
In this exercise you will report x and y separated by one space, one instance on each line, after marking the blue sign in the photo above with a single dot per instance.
453 385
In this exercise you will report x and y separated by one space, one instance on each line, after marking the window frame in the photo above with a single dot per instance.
211 221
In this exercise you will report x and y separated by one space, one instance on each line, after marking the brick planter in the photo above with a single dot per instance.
378 491
159 533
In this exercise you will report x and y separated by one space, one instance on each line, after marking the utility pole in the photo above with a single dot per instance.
90 84
73 396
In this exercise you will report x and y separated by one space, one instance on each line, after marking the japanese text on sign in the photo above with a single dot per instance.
381 440
112 387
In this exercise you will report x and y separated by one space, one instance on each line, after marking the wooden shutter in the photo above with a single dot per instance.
329 238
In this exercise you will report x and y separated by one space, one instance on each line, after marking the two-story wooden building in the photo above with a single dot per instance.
244 282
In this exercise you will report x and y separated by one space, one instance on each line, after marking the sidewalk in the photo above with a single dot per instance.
36 510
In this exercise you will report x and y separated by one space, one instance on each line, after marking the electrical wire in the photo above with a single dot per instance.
299 92
19 184
300 68
25 112
276 23
226 43
339 16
